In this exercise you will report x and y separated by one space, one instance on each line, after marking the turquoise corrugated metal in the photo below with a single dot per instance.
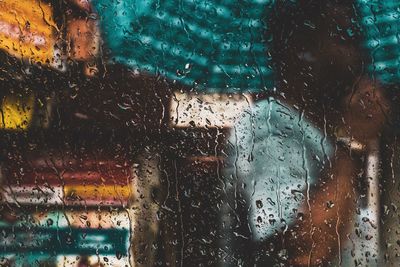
380 24
217 46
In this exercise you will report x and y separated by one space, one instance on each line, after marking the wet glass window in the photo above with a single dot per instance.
199 133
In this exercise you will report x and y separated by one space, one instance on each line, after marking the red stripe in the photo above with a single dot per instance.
111 177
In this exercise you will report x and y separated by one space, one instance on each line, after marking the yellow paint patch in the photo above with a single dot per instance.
16 112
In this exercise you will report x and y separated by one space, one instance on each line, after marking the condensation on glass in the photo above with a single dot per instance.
199 133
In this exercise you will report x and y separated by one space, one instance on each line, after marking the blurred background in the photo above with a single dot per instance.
199 133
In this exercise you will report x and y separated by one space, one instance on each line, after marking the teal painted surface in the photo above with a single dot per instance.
278 154
63 241
380 24
28 243
213 45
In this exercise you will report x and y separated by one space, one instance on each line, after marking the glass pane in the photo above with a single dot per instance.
199 133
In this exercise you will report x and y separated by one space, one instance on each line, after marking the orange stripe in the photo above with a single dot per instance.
88 192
